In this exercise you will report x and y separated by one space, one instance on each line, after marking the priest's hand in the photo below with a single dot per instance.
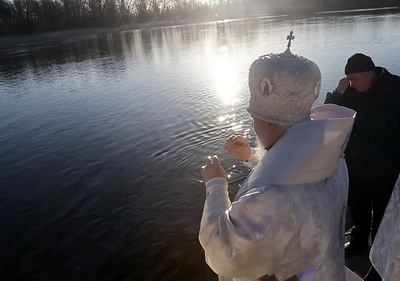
212 169
239 147
342 85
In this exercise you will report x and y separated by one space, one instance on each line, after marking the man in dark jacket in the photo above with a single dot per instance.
373 151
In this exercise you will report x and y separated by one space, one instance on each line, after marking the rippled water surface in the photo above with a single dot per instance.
102 138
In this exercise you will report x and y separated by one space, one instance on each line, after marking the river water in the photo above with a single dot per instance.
102 137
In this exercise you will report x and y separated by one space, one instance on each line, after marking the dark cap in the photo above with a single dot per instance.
359 63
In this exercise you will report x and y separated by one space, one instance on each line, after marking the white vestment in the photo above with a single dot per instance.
289 214
385 251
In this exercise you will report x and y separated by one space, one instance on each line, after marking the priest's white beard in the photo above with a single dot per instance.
259 150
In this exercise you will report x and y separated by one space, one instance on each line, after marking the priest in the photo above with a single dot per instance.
288 216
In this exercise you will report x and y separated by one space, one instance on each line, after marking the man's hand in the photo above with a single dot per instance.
212 169
239 147
342 85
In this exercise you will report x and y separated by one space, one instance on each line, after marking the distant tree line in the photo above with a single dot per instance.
34 16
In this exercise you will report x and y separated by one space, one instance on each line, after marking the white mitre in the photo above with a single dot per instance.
283 87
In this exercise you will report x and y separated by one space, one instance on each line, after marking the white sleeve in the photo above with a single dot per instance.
253 159
249 237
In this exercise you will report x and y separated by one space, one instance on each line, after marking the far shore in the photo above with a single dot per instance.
7 42
13 40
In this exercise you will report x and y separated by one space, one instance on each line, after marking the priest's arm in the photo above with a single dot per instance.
251 236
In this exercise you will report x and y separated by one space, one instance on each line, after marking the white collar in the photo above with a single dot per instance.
309 151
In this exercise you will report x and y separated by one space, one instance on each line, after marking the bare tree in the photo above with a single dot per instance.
26 15
7 13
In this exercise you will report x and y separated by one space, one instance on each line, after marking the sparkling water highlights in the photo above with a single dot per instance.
102 138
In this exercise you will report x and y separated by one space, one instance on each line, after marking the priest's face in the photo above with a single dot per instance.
361 81
261 132
267 132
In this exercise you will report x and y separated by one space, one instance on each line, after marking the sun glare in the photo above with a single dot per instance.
226 79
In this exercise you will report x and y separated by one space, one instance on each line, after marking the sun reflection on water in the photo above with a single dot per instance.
226 80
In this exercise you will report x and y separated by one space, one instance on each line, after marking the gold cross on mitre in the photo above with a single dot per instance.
290 37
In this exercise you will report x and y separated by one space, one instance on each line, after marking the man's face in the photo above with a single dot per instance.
263 134
361 81
267 133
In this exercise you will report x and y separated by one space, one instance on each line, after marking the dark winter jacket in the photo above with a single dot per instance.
373 150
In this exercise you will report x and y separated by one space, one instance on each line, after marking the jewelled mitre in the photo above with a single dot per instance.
283 87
